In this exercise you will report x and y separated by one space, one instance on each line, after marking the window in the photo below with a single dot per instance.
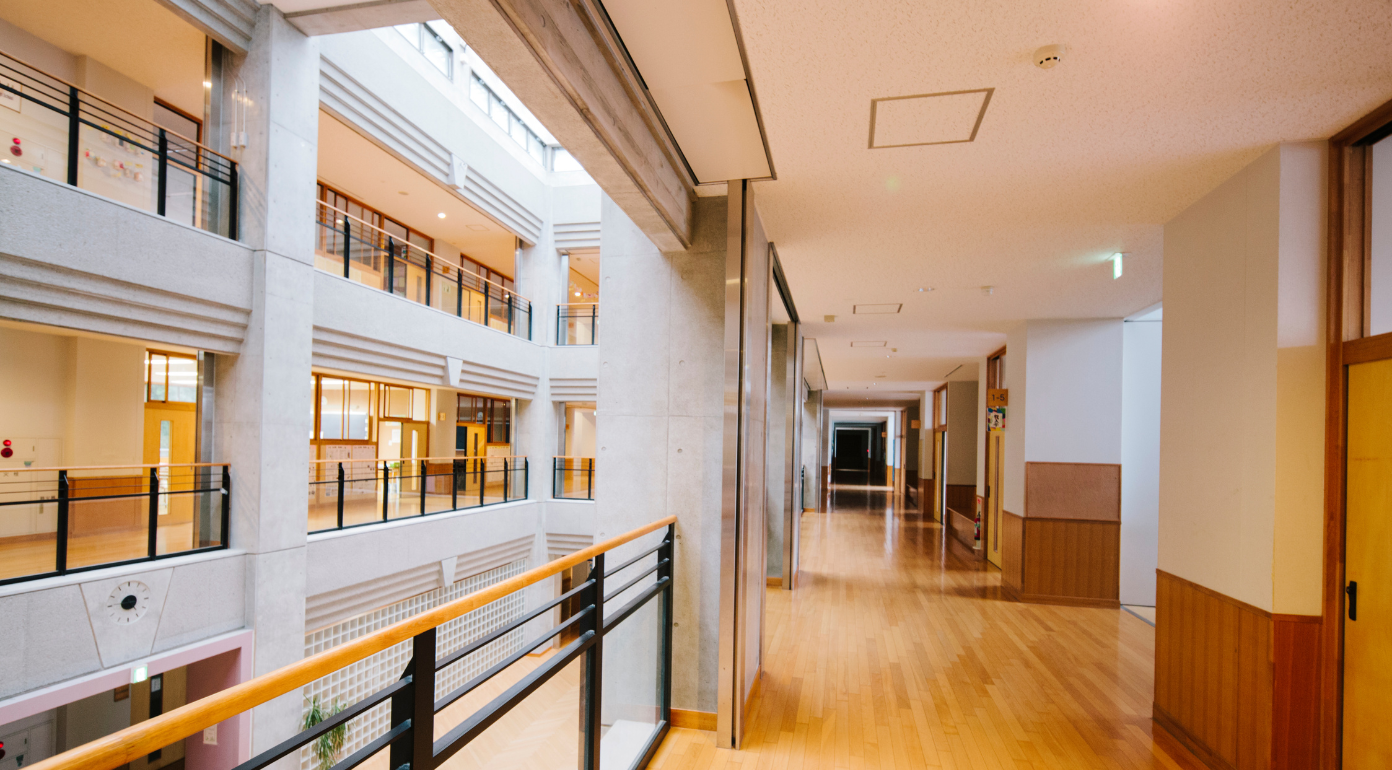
349 410
171 378
428 42
483 97
494 414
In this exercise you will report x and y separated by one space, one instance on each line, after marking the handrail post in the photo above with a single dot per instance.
154 512
526 477
391 265
454 485
61 551
459 292
416 704
163 185
667 554
505 480
232 206
485 303
509 312
340 495
594 312
589 480
347 239
560 317
226 506
483 478
429 273
74 126
386 488
592 676
423 478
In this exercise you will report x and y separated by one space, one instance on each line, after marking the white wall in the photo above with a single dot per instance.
961 432
1241 474
1140 459
1064 379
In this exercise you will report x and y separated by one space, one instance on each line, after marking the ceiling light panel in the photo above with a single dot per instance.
869 343
943 118
889 308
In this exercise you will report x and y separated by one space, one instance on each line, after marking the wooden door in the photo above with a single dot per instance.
937 475
991 525
171 439
1367 743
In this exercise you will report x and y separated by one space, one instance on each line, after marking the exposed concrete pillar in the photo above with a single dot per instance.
263 402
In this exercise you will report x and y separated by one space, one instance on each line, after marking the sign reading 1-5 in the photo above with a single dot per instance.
997 399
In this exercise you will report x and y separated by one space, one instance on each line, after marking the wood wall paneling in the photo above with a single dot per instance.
1069 562
1089 491
962 498
1012 553
1236 685
963 530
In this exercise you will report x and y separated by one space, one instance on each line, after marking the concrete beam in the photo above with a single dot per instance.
561 58
360 16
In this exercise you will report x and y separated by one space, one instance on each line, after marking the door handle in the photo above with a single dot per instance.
1352 591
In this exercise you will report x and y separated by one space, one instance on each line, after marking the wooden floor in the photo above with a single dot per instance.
895 653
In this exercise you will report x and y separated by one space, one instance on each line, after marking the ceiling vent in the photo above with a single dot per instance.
869 343
950 117
885 309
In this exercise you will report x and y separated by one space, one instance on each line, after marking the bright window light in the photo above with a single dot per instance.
1116 265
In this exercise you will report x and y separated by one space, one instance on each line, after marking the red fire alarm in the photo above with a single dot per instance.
7 452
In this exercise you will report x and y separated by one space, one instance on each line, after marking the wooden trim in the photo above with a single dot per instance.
1367 349
997 354
1067 601
1216 595
1365 126
123 746
1295 690
1195 746
694 720
1173 747
773 581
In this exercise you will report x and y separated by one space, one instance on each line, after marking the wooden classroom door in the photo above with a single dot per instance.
1367 743
991 526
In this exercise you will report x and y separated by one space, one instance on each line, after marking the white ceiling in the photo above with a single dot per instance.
689 58
1155 103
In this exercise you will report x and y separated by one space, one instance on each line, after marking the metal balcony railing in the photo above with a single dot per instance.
352 493
572 478
366 254
613 660
54 521
577 323
59 131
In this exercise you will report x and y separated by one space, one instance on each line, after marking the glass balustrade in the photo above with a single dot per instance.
351 493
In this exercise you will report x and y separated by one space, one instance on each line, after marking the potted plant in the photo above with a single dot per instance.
330 744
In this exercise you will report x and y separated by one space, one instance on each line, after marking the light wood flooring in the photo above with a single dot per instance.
895 652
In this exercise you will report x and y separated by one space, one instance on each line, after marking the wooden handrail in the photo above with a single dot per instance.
119 467
418 459
138 740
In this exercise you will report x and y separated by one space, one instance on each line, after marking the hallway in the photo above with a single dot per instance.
894 652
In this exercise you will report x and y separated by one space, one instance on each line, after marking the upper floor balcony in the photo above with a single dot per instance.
57 130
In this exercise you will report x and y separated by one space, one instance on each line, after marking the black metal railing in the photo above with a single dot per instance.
572 478
577 324
366 254
60 520
619 637
354 493
60 131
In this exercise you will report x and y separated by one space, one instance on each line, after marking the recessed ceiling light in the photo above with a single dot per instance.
441 215
1116 265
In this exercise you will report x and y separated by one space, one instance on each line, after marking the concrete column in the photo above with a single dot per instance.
660 418
264 403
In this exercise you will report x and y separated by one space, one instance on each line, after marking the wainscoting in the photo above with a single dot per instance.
963 529
1061 561
1235 684
962 498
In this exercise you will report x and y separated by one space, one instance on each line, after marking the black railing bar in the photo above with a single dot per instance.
56 84
58 94
97 106
117 121
466 731
365 753
112 132
195 170
475 645
631 562
636 604
634 581
500 666
301 739
379 521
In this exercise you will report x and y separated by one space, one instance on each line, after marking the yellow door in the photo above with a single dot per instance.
1368 571
991 527
937 476
171 437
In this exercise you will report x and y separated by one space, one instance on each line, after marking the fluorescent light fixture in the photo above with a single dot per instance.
1116 265
441 215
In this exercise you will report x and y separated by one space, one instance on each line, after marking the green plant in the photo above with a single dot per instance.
330 744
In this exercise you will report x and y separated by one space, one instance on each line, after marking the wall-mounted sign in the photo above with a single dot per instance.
997 397
996 401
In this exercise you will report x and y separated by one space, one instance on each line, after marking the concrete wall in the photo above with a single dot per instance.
1140 460
1241 472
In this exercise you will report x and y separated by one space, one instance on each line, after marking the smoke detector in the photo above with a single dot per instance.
1050 55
